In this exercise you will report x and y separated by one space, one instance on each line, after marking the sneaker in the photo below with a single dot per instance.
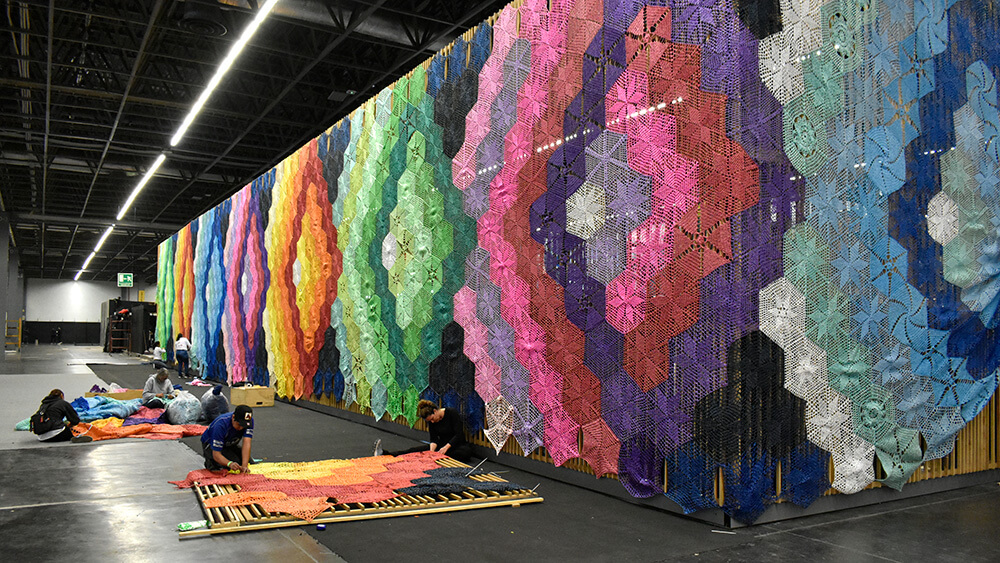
82 439
378 448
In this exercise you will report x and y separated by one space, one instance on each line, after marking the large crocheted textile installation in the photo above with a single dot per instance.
704 245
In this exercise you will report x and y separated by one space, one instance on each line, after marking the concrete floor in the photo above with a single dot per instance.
105 501
110 501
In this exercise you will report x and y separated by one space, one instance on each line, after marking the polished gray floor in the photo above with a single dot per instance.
110 502
105 501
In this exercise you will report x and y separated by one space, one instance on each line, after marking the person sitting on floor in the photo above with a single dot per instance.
55 418
221 446
447 433
157 388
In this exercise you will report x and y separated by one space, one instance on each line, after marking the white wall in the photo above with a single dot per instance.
67 300
150 296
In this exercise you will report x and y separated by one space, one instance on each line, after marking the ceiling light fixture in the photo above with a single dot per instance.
140 185
104 237
85 264
221 71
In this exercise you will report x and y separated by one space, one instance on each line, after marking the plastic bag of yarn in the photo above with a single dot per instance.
184 409
214 404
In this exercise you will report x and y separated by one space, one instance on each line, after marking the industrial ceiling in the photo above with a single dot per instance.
93 90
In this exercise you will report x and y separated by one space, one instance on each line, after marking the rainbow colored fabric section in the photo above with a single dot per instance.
306 489
682 238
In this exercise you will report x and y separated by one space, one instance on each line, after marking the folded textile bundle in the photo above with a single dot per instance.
111 428
146 415
96 408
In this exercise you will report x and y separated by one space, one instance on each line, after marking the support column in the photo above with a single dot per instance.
15 286
4 270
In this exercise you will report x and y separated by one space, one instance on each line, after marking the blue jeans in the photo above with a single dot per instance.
182 362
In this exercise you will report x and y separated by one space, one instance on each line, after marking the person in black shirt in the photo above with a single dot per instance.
447 433
62 416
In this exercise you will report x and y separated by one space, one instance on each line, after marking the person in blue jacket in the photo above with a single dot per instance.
226 443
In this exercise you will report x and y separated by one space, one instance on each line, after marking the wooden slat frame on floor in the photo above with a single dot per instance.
227 519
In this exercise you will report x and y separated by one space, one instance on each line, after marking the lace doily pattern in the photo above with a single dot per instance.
689 242
306 489
183 282
882 360
165 292
304 268
246 282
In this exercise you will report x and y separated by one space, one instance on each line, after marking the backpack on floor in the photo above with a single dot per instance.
41 422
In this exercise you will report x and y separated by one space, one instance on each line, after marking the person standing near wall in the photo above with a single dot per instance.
182 350
159 361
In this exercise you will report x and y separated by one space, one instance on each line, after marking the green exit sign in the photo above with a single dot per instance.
124 280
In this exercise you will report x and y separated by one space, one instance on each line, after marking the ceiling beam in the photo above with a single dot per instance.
153 16
170 104
35 219
139 59
355 22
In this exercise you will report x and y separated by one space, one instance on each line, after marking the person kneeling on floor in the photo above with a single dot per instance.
55 418
447 433
220 444
157 388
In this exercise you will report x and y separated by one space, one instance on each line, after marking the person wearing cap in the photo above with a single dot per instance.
157 389
221 443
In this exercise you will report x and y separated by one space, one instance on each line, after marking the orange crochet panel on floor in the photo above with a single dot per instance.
306 489
279 495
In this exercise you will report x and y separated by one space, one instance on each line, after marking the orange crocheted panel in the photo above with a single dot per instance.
304 508
243 498
111 428
320 485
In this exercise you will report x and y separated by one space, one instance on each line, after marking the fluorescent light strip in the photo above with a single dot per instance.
100 243
104 237
212 84
87 262
142 183
222 70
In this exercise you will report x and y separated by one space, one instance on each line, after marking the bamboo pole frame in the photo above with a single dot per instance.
228 519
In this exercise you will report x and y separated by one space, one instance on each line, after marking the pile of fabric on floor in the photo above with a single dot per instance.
305 490
95 408
113 388
103 418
